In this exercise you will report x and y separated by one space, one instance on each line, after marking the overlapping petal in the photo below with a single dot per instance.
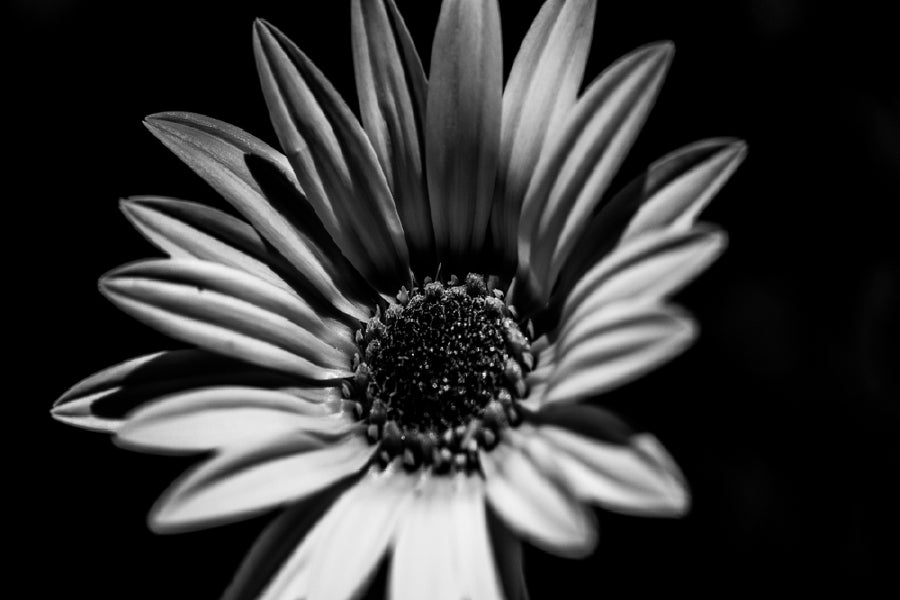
632 474
462 125
538 96
532 504
233 313
648 267
341 553
333 160
102 401
238 484
392 91
610 347
575 169
670 194
259 183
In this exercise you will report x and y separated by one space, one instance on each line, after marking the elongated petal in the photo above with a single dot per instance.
189 230
233 313
615 345
532 504
102 401
223 417
442 548
260 184
670 194
333 160
679 186
573 173
239 484
423 563
648 267
391 84
341 552
462 127
279 541
539 94
635 478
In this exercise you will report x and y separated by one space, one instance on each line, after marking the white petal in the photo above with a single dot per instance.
233 313
534 506
424 563
237 485
682 186
615 345
637 478
224 417
648 267
392 87
341 553
462 123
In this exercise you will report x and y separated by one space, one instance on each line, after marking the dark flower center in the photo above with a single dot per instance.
439 373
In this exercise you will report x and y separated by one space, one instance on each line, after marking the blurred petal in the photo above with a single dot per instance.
424 564
462 126
260 184
333 160
442 548
391 85
669 195
222 417
539 94
189 230
238 484
612 346
233 313
507 551
343 550
649 267
101 402
574 171
533 505
638 477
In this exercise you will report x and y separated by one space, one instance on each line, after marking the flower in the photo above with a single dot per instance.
401 339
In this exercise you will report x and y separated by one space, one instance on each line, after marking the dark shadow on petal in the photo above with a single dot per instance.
591 421
296 209
507 549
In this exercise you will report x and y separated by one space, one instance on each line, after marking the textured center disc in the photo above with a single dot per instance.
440 360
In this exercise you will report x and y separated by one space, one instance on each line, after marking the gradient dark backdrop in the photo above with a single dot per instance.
784 416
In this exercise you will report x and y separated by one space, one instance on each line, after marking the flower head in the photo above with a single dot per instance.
402 337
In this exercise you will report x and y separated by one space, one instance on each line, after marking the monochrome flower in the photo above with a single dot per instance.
403 337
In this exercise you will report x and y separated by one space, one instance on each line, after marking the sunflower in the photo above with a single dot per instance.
401 339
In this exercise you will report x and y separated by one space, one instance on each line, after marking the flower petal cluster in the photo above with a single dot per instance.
453 173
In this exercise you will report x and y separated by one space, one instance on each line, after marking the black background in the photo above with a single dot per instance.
784 416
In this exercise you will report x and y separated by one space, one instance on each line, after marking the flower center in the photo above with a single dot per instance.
439 373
